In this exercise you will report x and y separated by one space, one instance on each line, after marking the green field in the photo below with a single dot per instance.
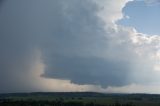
78 99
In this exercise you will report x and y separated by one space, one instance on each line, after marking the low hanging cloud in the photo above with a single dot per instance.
79 42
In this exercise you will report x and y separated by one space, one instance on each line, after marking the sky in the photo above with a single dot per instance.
79 45
143 16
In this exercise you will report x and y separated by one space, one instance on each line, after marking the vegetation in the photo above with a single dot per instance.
78 99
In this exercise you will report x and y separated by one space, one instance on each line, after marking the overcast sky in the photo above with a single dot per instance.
80 45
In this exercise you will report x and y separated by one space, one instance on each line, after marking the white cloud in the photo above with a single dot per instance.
111 11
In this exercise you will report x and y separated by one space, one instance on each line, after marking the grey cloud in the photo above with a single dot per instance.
89 70
72 39
78 43
18 40
70 36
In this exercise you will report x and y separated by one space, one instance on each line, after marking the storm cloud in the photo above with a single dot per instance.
78 40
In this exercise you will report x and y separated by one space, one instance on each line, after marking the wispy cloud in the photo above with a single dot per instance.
152 2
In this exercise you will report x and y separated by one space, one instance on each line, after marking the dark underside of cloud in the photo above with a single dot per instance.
89 70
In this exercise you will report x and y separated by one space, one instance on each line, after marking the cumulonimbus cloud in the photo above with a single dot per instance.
79 41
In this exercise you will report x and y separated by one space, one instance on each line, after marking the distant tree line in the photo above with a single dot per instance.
8 102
